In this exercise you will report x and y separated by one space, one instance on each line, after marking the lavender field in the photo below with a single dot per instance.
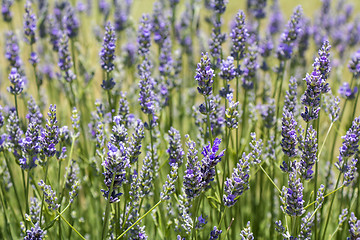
179 119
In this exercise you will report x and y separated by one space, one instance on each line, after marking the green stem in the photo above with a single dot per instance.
207 103
137 221
107 209
267 175
43 195
331 204
81 236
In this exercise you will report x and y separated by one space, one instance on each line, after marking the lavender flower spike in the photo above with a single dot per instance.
354 227
308 147
238 36
17 82
29 24
238 183
144 34
175 151
204 75
288 132
289 36
107 53
5 10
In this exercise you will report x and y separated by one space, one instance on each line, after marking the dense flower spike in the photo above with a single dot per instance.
204 75
50 136
323 63
354 64
257 8
175 151
135 144
256 149
5 10
215 233
35 233
331 106
209 161
275 19
290 102
293 202
71 22
251 66
146 175
169 186
75 122
346 92
232 114
192 175
288 132
308 148
17 81
238 36
238 183
12 50
351 168
306 225
354 227
31 146
350 143
65 60
228 71
289 36
107 53
246 233
144 34
14 133
115 165
49 196
29 24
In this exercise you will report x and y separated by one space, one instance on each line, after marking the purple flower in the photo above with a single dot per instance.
35 233
289 36
323 64
55 33
209 161
12 50
215 233
292 197
305 227
29 24
257 8
354 227
251 66
288 133
160 25
107 53
5 10
227 69
65 61
192 175
71 22
238 36
350 171
246 233
115 164
216 40
354 64
308 148
276 18
34 59
144 34
350 143
204 75
49 196
120 17
175 151
169 186
17 81
238 183
345 91
146 175
135 143
290 101
31 147
50 136
232 114
14 133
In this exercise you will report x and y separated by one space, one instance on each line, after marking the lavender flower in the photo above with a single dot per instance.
311 97
251 66
169 186
268 113
350 143
308 148
354 64
215 233
192 175
35 233
135 143
257 8
5 10
175 151
71 22
209 161
343 217
12 50
49 196
232 114
276 19
29 24
288 132
14 133
144 33
146 175
305 227
107 53
65 60
238 36
331 106
238 183
31 147
346 92
292 200
246 233
227 69
35 208
120 17
350 171
160 26
34 113
256 149
354 227
50 136
115 165
17 81
204 75
34 59
216 40
55 33
289 36
323 64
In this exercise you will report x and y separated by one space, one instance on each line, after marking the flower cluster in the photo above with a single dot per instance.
238 36
107 53
204 75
